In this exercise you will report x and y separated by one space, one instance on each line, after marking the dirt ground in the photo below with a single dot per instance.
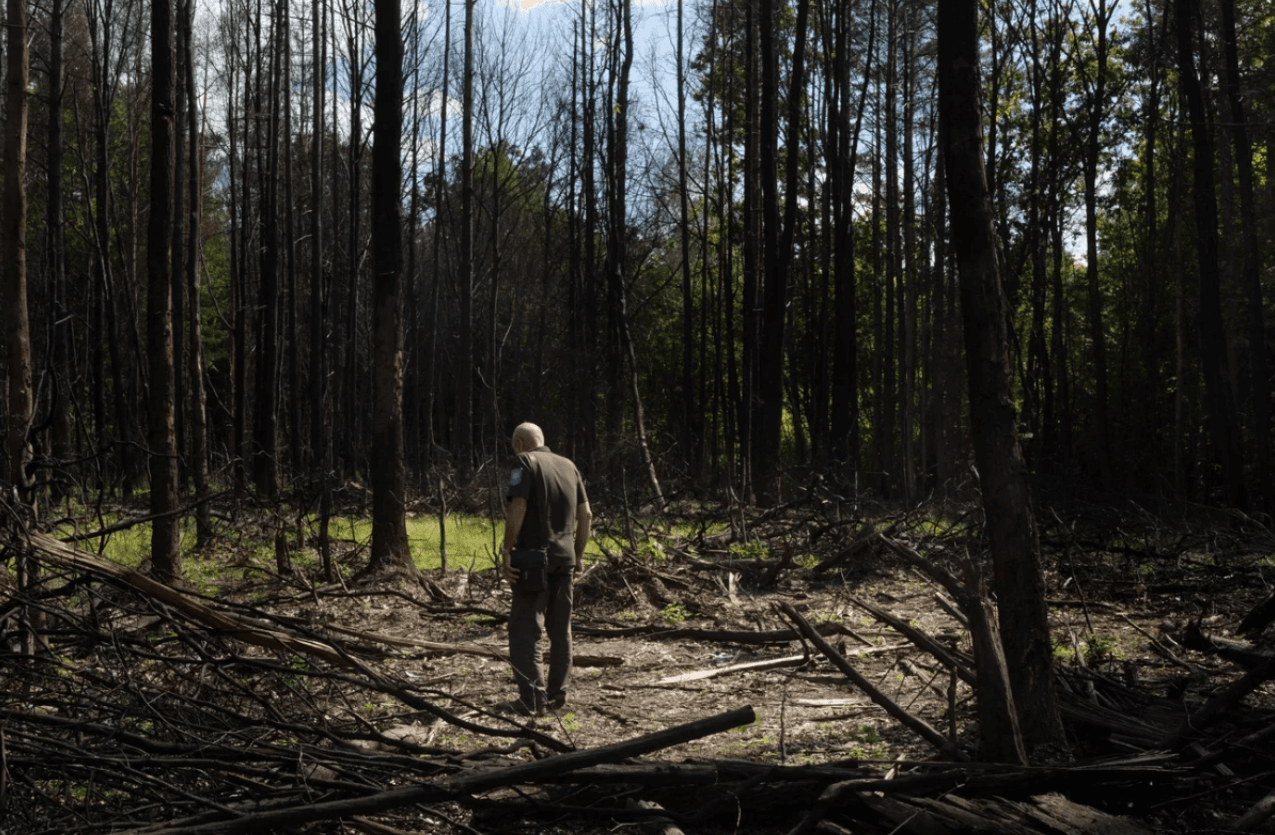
651 655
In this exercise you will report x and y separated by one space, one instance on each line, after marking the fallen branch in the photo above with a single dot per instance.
234 626
1215 707
997 715
1246 655
656 632
1261 811
766 664
451 788
922 641
922 728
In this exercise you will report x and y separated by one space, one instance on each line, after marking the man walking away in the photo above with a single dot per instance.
547 524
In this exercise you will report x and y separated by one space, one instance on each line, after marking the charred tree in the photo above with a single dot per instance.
389 470
162 433
1002 470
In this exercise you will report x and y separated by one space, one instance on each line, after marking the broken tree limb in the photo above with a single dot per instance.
997 715
753 666
1244 654
922 641
953 612
1221 703
936 572
448 788
1260 812
999 733
480 650
660 823
859 542
233 626
1258 618
919 726
1238 745
1154 643
718 636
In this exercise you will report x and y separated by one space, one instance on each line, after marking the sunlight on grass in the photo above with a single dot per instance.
473 543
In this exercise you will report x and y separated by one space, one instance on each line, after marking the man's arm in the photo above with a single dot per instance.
584 522
514 514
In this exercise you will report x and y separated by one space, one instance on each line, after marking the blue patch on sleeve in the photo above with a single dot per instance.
515 477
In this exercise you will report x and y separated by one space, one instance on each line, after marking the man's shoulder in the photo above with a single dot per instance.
556 460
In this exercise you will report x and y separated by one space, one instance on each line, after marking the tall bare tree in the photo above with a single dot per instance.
1221 409
389 474
1251 260
464 419
13 252
162 432
1002 471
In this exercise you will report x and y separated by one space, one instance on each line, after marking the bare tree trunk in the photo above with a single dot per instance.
1252 261
13 232
389 475
265 451
320 423
777 242
845 374
1097 332
1002 470
908 273
61 369
292 329
1222 416
692 409
199 403
464 430
161 437
441 204
177 247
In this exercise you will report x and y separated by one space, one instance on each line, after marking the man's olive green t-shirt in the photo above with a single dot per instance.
553 489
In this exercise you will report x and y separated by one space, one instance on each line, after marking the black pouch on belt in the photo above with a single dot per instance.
533 568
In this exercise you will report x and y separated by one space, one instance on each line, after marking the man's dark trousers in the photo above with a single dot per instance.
531 615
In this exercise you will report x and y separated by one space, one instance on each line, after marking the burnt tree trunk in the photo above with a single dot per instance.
162 432
1002 470
389 471
17 326
1223 420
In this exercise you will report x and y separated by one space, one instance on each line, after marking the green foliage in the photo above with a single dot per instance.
675 614
1102 649
753 549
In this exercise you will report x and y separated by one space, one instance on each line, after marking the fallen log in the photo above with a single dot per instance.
1244 654
243 820
704 773
1003 780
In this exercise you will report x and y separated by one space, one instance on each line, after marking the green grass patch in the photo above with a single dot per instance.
473 543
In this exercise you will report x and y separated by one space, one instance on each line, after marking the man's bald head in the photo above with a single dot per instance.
527 437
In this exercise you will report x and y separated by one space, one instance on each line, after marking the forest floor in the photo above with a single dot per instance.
685 628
